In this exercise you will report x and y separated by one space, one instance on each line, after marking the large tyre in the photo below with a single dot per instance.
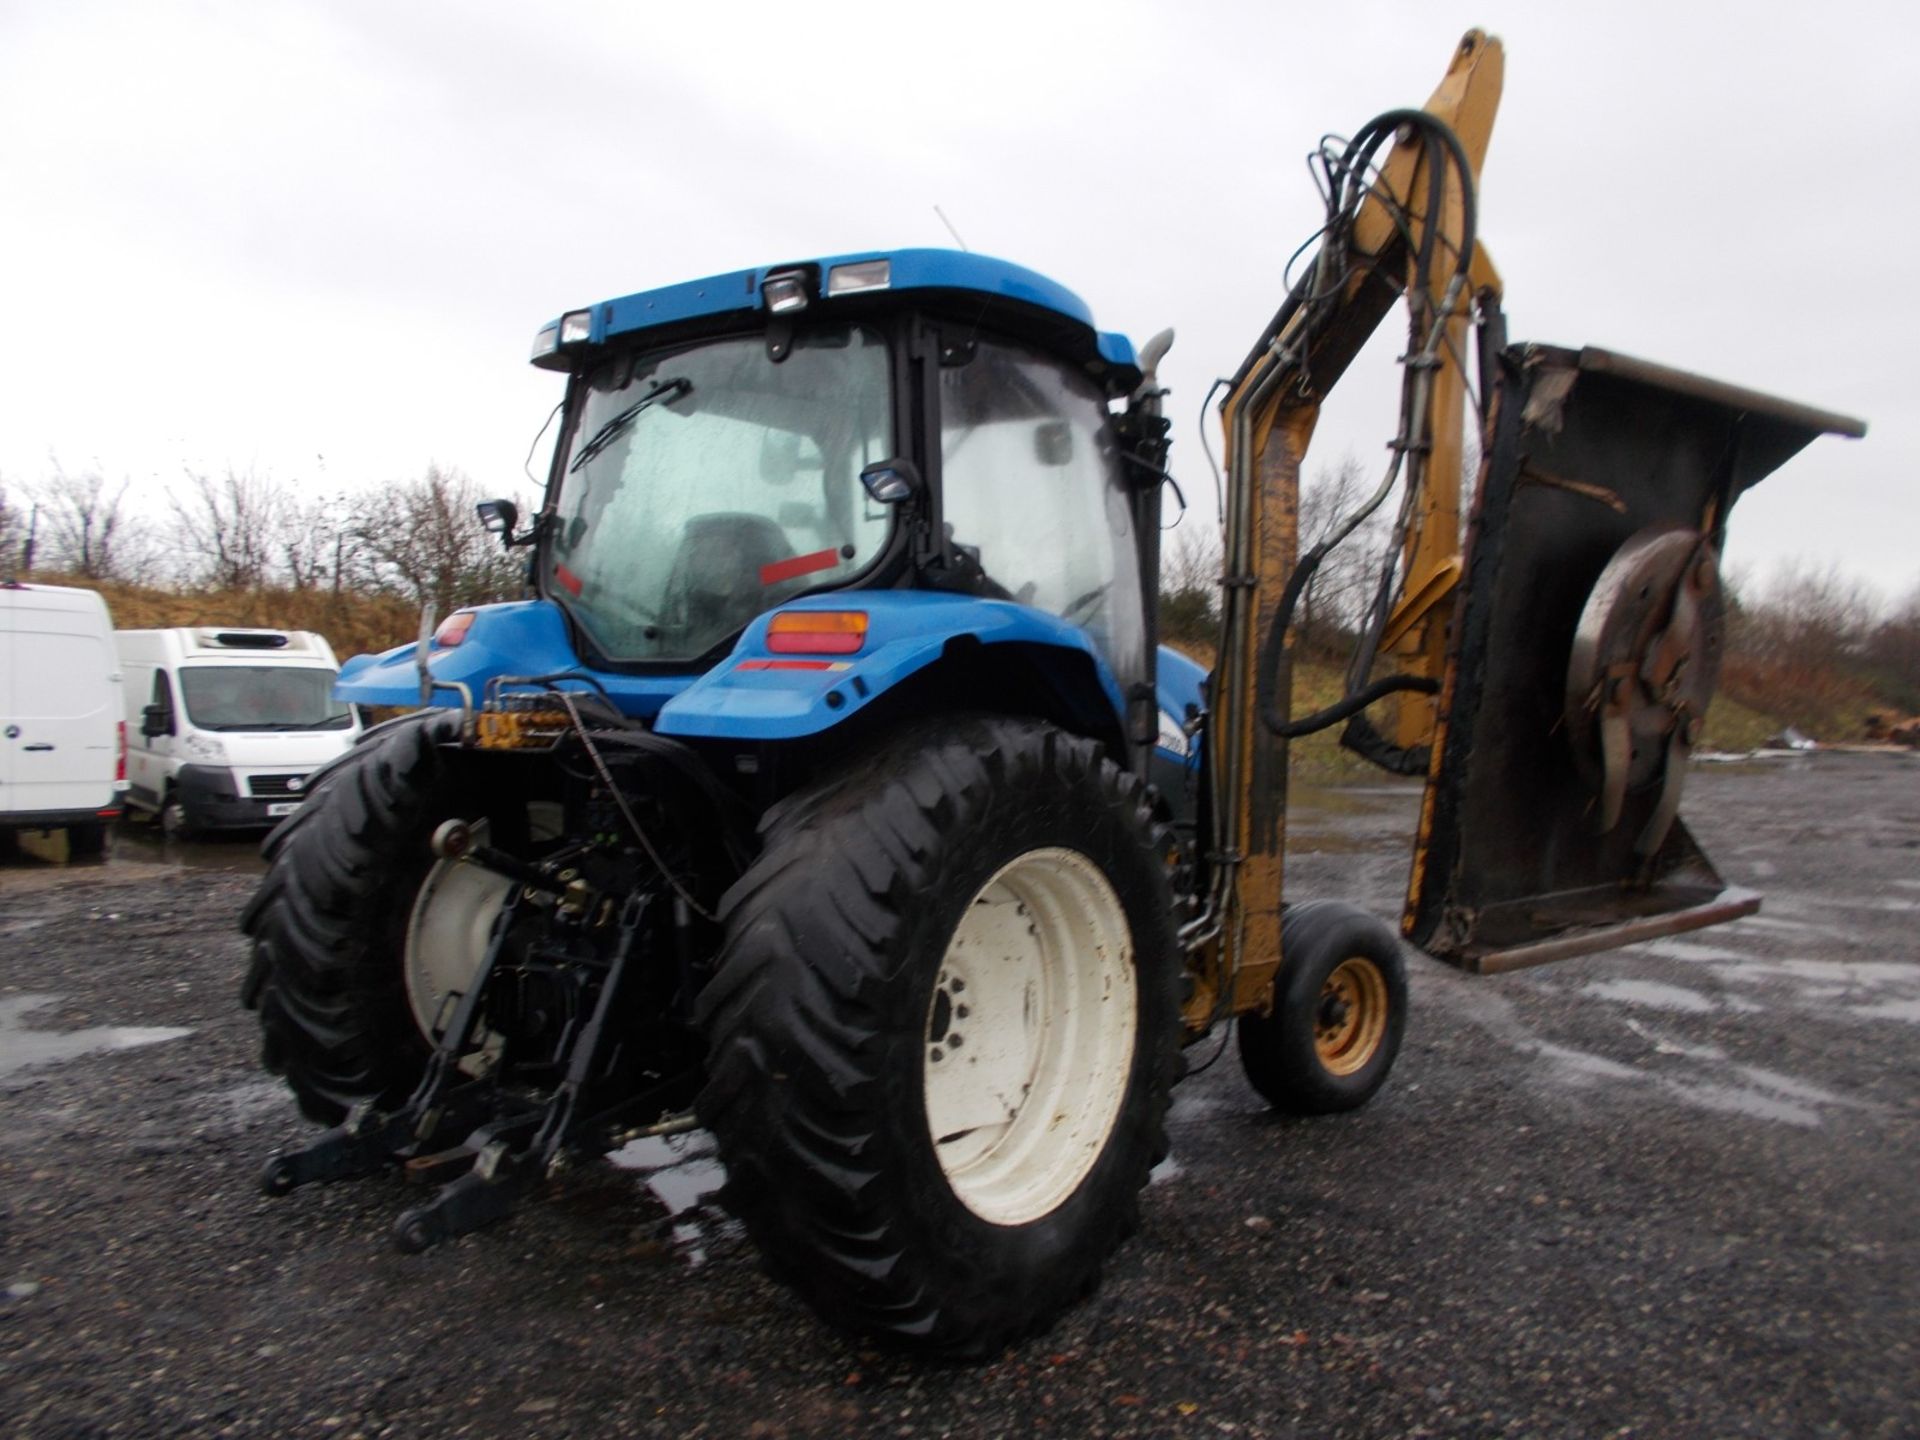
329 921
1337 1017
943 1031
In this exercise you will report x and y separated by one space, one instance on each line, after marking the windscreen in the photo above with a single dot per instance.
262 697
704 485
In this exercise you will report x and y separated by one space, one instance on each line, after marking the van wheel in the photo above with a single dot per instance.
87 841
174 824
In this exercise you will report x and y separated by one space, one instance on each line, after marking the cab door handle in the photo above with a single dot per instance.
42 745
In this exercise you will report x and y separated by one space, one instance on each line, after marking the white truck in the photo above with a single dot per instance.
227 723
62 732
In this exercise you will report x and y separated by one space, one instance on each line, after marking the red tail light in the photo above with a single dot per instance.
120 765
817 632
453 629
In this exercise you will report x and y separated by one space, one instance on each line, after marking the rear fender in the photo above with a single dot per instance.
758 694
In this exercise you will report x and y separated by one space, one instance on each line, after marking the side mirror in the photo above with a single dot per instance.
890 482
499 517
156 720
1053 443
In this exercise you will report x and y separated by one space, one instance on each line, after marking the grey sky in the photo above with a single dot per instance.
316 239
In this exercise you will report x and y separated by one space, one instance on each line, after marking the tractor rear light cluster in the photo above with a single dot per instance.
817 632
453 630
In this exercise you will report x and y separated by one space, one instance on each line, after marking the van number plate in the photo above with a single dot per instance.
283 807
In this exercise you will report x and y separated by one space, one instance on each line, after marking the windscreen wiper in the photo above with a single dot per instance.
666 390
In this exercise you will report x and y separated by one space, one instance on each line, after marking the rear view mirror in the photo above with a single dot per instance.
1053 442
891 481
499 517
156 720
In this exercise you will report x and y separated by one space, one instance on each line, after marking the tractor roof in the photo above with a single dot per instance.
1015 299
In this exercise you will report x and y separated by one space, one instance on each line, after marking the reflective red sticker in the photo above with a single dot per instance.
799 565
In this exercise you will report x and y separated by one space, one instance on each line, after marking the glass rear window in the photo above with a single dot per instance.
703 486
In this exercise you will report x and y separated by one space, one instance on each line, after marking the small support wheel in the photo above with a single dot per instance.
414 1233
277 1178
1338 1014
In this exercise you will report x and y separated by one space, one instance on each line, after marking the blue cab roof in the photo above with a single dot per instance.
922 270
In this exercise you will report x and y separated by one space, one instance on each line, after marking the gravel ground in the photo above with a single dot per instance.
1666 1192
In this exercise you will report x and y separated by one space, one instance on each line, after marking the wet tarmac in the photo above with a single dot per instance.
1664 1192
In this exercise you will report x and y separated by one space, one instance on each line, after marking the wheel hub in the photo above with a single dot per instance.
1030 1036
1351 1019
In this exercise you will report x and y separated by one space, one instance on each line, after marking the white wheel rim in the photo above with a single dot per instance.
1030 1036
447 934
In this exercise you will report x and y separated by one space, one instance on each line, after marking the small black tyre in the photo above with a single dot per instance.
87 840
906 1201
1338 1016
175 823
328 921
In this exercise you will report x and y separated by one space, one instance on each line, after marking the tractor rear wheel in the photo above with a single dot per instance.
943 1031
329 921
1337 1017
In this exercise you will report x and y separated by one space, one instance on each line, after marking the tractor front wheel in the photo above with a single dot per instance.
942 1033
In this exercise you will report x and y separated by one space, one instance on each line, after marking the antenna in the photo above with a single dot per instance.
951 231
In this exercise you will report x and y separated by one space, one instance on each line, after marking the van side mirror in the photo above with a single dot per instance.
156 720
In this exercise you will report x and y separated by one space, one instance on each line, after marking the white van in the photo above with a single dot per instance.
62 725
227 724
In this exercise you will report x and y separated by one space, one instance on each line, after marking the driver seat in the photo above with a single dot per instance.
714 587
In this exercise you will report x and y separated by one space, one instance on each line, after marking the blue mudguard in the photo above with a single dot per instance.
755 693
759 694
524 637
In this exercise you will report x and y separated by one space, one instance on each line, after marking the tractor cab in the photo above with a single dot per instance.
920 420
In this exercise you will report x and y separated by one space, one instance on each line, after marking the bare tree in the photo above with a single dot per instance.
420 540
1893 652
13 534
1190 584
227 528
1348 578
319 544
87 529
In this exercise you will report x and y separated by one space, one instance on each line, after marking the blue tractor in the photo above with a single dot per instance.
834 795
831 795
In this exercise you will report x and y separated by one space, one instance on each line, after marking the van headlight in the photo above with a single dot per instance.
205 747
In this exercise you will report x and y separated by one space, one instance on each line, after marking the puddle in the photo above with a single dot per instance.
1827 978
144 845
1907 1010
1650 993
20 1047
1668 1046
1694 1075
682 1171
1690 950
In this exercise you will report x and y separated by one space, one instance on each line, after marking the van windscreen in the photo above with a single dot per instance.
262 697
